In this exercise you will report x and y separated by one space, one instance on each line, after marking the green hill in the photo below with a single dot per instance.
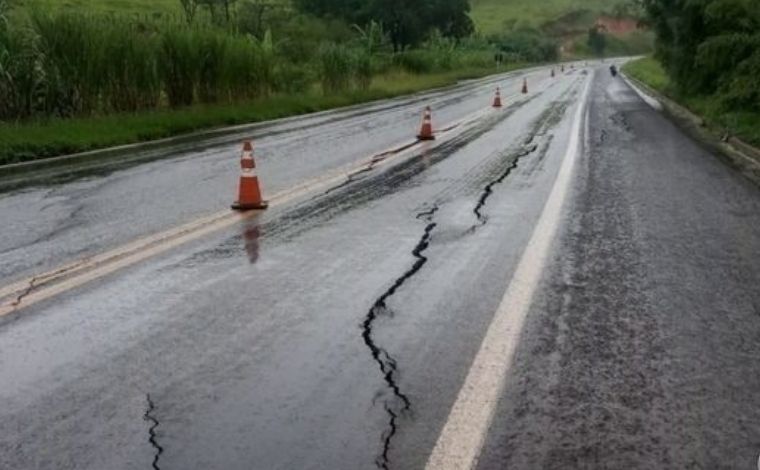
492 16
566 20
143 7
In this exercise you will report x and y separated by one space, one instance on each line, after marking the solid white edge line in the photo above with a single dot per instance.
650 100
463 436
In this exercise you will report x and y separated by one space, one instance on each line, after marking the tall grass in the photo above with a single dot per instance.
64 64
336 68
67 64
179 61
131 79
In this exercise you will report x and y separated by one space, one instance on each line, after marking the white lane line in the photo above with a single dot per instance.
650 100
462 438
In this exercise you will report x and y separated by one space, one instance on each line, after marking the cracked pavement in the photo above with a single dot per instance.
336 331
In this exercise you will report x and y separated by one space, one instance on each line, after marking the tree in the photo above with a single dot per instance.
406 22
451 18
597 41
710 46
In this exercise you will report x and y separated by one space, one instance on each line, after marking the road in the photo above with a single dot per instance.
566 282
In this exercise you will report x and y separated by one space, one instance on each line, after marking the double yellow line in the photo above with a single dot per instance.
27 292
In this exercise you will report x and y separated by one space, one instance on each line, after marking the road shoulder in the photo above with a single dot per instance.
741 155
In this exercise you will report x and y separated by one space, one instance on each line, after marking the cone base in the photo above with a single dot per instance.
250 207
426 137
497 105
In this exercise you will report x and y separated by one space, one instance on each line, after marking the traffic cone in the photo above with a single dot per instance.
497 98
525 86
426 132
249 194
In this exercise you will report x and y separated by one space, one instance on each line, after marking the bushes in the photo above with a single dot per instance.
342 69
710 48
734 59
335 68
527 45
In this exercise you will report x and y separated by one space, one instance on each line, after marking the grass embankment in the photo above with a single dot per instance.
743 124
34 140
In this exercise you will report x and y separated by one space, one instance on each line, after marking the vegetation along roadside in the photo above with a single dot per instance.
707 58
81 75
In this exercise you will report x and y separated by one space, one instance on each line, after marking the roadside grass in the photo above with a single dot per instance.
649 71
744 124
47 138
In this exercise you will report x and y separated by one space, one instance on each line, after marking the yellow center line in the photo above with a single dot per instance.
43 286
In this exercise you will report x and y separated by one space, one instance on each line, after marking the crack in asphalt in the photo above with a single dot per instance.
20 298
488 190
40 280
324 207
383 460
541 129
149 417
387 364
374 161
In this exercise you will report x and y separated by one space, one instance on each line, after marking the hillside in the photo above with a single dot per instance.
492 16
142 7
566 20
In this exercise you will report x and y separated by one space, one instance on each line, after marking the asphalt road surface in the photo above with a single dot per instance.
566 282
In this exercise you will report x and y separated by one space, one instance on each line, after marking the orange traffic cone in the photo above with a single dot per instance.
525 86
250 194
497 98
426 132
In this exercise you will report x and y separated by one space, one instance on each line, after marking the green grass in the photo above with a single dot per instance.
494 16
139 7
34 140
650 72
744 124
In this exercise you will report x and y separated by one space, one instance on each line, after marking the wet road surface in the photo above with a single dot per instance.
336 330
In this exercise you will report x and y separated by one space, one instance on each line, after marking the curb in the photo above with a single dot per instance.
741 155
